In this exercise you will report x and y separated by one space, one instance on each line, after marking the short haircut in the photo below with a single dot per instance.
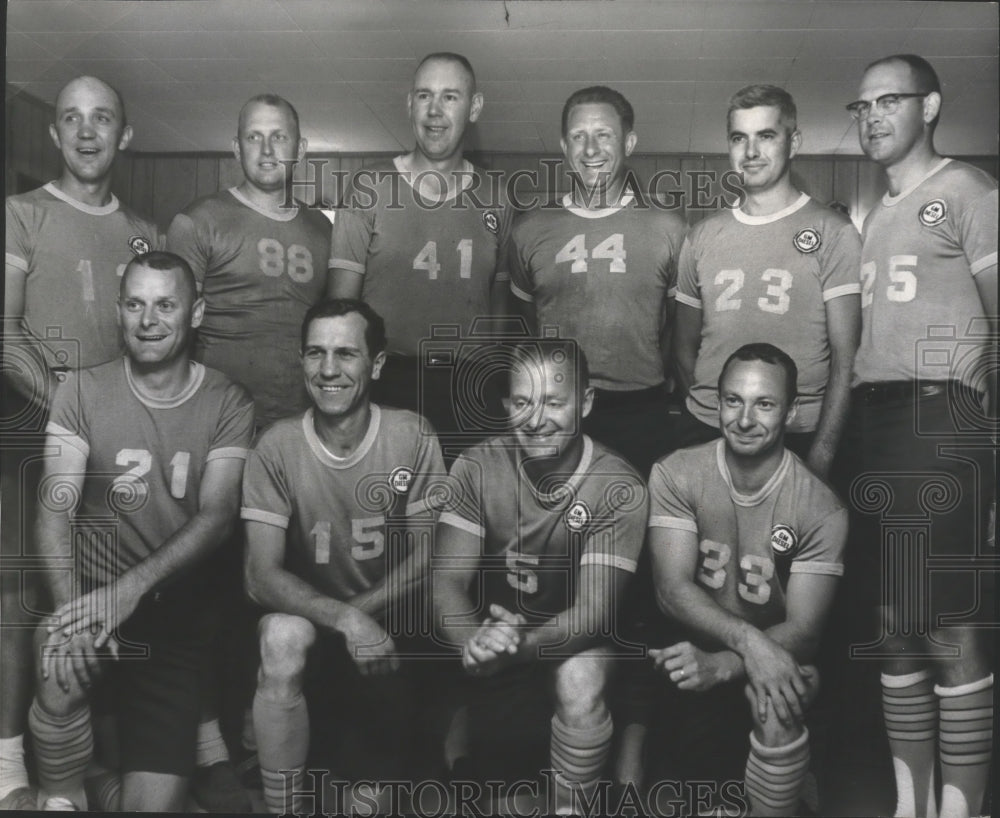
769 354
106 84
754 96
335 307
449 56
923 71
275 101
600 94
559 350
164 261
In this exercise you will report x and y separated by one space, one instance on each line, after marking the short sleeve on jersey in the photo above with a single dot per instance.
184 239
978 229
236 424
668 506
822 546
463 508
687 277
841 263
352 230
66 421
265 489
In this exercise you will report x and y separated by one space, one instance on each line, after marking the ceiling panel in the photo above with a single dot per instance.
186 66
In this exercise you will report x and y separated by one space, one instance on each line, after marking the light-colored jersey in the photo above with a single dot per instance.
260 271
423 265
922 250
535 538
339 513
145 456
603 278
749 544
767 278
73 256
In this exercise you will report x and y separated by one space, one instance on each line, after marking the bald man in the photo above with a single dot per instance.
67 245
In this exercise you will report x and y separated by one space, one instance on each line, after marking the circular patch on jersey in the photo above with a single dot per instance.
577 516
399 479
783 539
807 240
933 213
139 245
491 220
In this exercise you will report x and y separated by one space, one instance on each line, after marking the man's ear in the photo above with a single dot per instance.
197 313
932 106
588 402
477 106
377 365
125 138
631 139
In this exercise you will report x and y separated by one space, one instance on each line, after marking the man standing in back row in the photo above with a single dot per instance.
782 268
420 238
921 379
602 268
66 247
260 258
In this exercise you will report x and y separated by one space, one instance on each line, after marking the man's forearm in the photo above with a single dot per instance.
283 592
197 538
573 631
400 583
691 606
835 408
52 534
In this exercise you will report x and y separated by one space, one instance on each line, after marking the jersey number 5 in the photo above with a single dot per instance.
519 576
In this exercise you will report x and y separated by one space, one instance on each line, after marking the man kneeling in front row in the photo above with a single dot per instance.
143 483
747 547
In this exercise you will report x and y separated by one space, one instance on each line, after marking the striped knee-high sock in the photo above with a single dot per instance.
965 737
577 756
774 775
282 733
63 747
910 710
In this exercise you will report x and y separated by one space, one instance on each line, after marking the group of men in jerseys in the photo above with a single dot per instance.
249 365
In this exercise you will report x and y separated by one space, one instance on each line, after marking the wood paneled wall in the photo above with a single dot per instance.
159 185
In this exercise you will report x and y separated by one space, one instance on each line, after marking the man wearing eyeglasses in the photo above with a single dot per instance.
929 302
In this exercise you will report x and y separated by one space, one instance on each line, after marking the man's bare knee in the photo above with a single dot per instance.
580 684
284 642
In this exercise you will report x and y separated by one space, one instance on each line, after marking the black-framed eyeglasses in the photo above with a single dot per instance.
885 104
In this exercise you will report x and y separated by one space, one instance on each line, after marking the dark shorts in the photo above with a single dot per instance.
361 727
639 425
919 480
154 689
461 401
699 736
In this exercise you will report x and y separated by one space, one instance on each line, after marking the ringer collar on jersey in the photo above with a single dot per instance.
103 210
889 201
328 458
468 172
625 201
560 490
195 378
759 497
286 214
745 218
